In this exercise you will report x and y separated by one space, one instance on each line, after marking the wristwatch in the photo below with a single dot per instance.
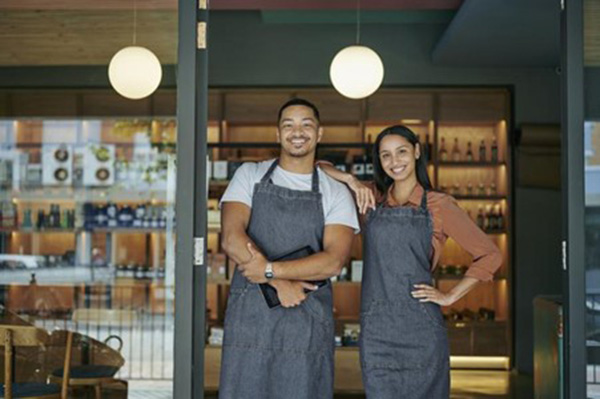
269 271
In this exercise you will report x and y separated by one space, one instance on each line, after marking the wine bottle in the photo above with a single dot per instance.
491 217
482 152
499 218
443 151
480 218
455 151
494 150
469 156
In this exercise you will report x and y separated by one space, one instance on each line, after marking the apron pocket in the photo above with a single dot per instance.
316 309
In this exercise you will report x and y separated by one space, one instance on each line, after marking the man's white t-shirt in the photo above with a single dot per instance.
338 204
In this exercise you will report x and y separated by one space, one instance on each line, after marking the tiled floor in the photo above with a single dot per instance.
465 385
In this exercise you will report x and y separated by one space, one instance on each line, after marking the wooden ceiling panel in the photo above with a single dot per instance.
83 38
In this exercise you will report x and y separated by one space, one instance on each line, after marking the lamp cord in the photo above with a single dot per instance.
357 21
134 21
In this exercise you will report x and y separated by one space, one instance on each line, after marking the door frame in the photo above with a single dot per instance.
191 200
573 244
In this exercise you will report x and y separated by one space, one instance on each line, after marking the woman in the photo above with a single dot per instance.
404 343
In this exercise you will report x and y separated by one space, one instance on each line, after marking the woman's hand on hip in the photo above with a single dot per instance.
427 293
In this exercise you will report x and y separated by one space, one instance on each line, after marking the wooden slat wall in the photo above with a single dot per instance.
49 104
466 106
391 106
253 107
333 108
591 33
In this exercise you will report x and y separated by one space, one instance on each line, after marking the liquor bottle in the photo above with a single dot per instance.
491 218
469 156
27 219
469 188
443 151
112 214
499 218
64 219
481 189
482 152
125 217
41 219
492 190
427 147
146 221
456 189
455 151
480 218
494 150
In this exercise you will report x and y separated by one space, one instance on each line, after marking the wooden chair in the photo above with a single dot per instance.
30 336
100 373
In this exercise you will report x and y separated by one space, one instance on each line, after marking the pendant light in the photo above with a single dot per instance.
134 71
356 71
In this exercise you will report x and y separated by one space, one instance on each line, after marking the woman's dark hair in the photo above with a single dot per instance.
382 180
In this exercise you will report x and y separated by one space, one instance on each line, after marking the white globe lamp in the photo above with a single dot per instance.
134 72
356 72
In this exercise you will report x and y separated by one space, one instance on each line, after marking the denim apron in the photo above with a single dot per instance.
403 342
279 353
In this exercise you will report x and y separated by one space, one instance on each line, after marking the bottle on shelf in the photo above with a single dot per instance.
455 189
456 151
482 152
494 150
492 189
427 147
499 218
443 152
491 218
469 155
481 189
469 189
480 218
27 219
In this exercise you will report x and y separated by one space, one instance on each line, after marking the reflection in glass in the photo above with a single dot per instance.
87 245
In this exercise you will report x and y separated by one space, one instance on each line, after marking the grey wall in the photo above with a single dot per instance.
538 269
246 52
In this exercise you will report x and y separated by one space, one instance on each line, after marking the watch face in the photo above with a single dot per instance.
61 174
102 174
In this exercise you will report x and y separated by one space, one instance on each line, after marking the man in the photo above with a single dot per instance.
270 209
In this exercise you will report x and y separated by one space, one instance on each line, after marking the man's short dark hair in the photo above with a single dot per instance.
299 101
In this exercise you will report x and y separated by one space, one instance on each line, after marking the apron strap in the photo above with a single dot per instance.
424 200
315 180
267 176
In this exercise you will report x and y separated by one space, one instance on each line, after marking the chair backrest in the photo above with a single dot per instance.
13 336
23 335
